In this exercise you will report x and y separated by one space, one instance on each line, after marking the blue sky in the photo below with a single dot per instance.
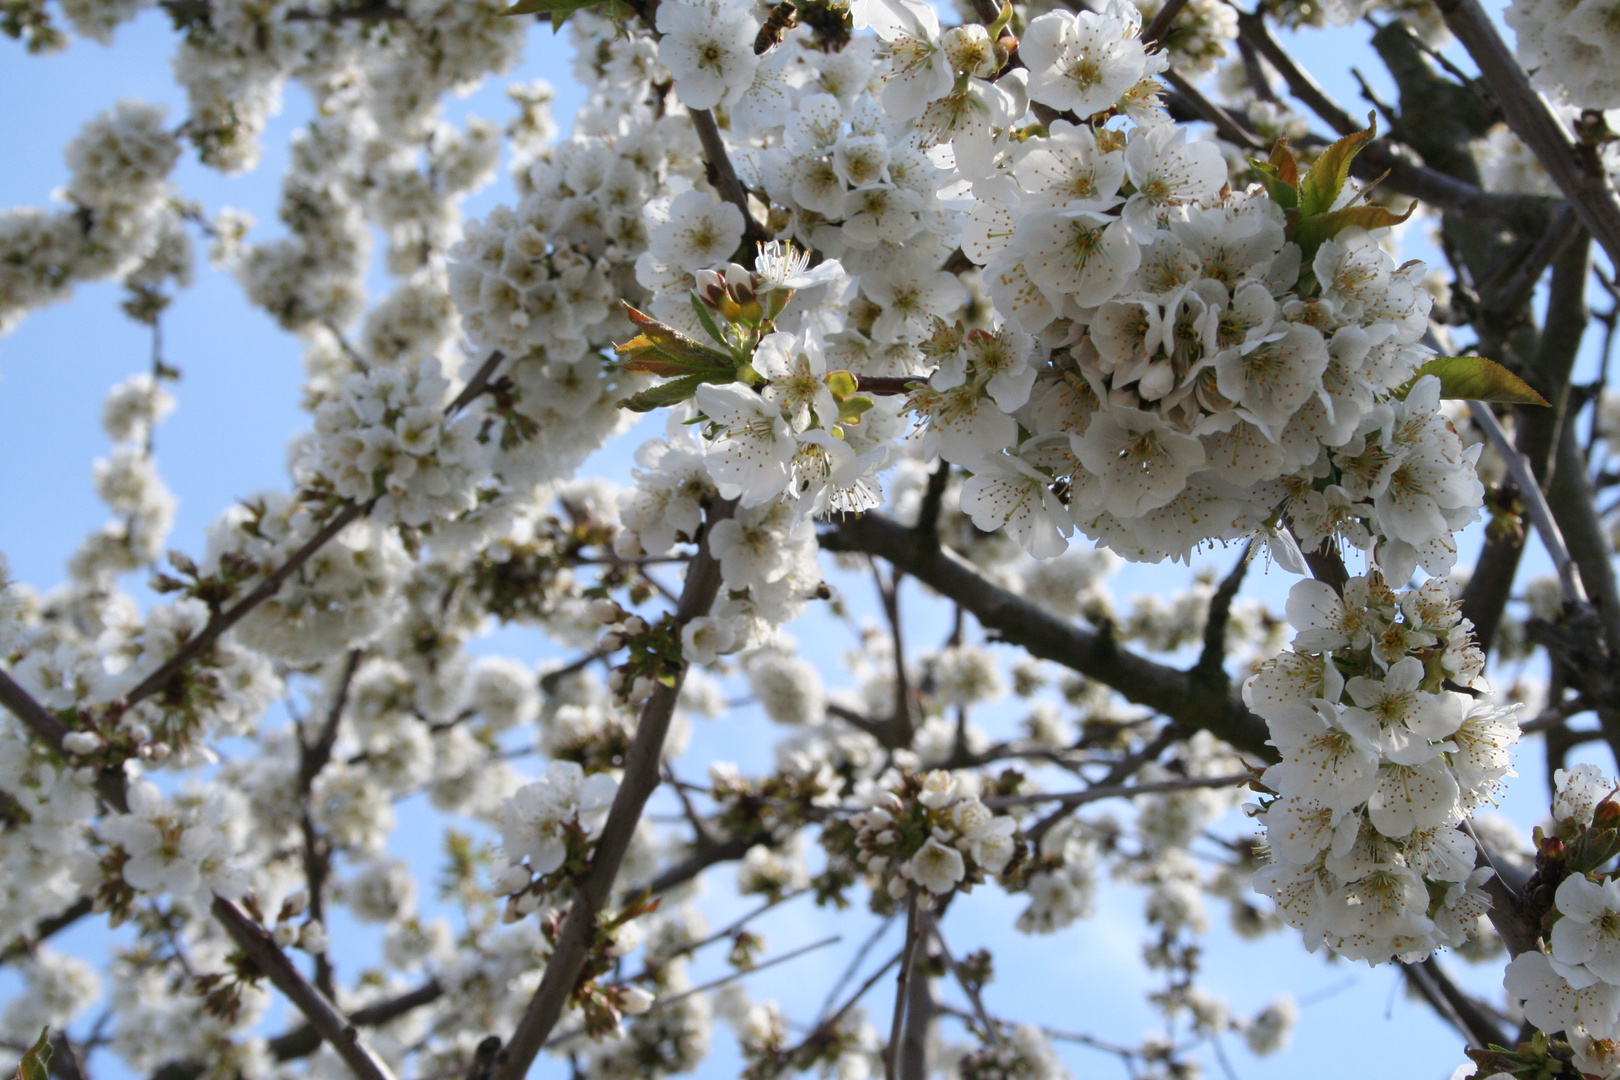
238 408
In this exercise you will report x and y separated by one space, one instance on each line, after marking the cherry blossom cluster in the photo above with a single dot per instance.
385 438
1571 982
343 597
1381 765
547 826
120 218
971 277
926 836
1568 49
184 847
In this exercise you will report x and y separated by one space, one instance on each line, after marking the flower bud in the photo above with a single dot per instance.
296 903
284 935
633 1001
312 937
612 641
642 688
82 742
635 626
605 611
1607 814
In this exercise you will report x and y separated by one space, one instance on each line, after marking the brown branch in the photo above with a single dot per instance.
1224 122
905 702
722 174
701 858
1154 32
216 626
591 894
1471 1017
1212 660
1177 694
1575 170
992 1033
1517 288
908 961
888 385
305 1040
49 729
927 527
255 941
477 384
1120 791
1406 174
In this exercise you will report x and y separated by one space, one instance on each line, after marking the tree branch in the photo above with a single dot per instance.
1212 660
333 1026
640 779
723 173
219 624
1119 791
1154 32
1576 171
1175 693
49 729
1406 174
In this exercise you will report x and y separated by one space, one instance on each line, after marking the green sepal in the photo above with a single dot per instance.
1474 378
851 408
33 1065
842 384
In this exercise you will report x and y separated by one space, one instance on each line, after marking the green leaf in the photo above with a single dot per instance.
34 1062
663 395
664 350
1312 231
1280 175
1474 378
1320 188
1284 195
673 392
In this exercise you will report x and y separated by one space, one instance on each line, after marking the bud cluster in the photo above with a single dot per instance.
655 651
927 836
615 938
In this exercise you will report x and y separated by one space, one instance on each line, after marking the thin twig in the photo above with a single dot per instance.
216 626
855 963
1120 791
908 960
991 1031
1519 467
715 984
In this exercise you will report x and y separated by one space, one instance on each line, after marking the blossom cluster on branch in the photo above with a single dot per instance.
987 301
